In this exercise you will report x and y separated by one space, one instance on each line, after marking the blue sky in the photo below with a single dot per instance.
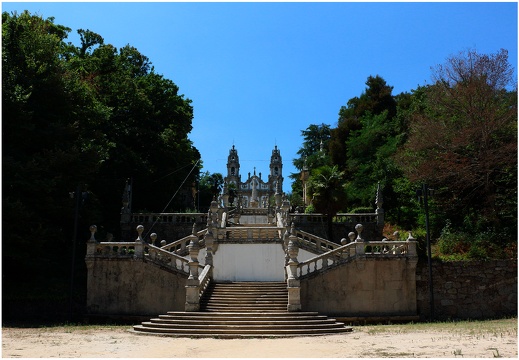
259 73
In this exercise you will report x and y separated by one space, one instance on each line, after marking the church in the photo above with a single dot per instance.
254 192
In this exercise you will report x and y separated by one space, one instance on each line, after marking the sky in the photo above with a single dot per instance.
260 73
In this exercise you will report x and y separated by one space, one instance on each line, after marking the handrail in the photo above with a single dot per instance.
253 233
166 258
313 242
180 245
141 250
180 218
338 218
204 279
345 253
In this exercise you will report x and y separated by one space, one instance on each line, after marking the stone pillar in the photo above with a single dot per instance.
139 243
153 237
411 245
293 283
194 249
379 211
209 242
359 247
192 283
92 242
225 196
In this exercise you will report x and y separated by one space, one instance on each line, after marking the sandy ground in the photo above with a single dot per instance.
363 342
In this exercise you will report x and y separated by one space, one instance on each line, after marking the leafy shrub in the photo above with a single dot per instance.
310 209
477 245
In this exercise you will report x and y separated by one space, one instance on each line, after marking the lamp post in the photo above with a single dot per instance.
424 194
79 197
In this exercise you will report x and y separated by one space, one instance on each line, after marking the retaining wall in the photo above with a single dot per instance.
468 290
133 287
365 287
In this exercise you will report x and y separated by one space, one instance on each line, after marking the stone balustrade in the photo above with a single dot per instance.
338 218
166 258
253 233
314 243
180 246
173 218
204 279
345 253
137 249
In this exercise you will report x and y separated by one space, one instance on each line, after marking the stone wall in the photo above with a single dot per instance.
133 287
366 287
468 290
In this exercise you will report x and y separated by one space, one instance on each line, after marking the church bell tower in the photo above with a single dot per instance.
233 167
276 167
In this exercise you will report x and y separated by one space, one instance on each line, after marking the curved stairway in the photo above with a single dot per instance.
243 309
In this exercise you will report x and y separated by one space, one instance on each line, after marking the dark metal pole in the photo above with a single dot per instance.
77 197
425 191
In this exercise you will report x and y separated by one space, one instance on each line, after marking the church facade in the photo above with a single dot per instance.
254 191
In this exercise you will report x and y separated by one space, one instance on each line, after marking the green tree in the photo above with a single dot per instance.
326 188
47 152
89 115
209 186
463 141
312 153
376 99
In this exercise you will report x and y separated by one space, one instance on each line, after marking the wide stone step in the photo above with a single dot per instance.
245 308
246 295
252 290
240 332
243 321
273 326
242 309
281 314
247 300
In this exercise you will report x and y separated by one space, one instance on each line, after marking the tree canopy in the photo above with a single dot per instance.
86 115
458 134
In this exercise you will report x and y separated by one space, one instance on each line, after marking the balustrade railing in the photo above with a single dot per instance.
114 249
165 258
180 246
172 218
254 233
338 218
141 250
204 279
349 251
312 242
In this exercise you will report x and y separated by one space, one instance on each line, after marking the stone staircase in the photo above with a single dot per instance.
243 309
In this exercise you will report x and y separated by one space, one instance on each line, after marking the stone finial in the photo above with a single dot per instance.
379 200
410 237
126 195
344 241
359 228
292 228
153 237
352 236
140 229
396 235
93 229
163 243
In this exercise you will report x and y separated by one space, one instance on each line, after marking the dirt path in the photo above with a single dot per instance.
363 342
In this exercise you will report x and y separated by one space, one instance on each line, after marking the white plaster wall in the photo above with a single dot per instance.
253 219
249 262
